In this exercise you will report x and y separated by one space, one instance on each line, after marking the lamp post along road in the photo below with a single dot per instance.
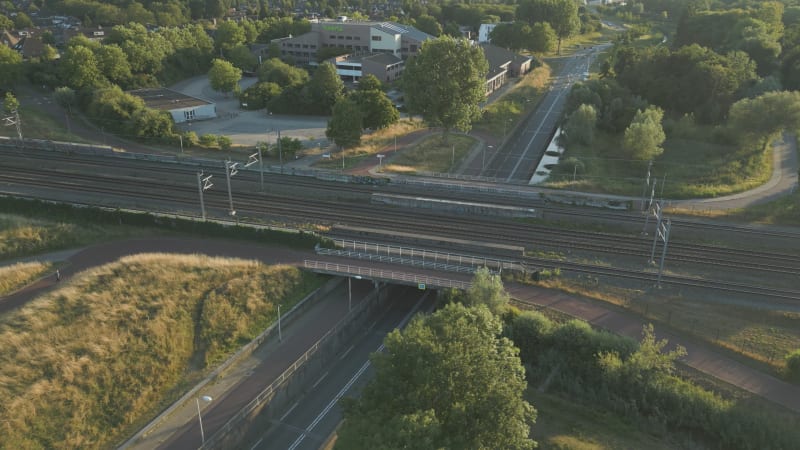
350 291
483 164
206 399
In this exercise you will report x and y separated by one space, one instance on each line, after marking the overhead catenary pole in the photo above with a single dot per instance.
203 184
646 183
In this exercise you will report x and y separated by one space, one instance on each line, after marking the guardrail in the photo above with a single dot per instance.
267 393
451 262
393 275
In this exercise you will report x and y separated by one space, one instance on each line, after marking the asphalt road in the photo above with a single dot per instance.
307 423
516 160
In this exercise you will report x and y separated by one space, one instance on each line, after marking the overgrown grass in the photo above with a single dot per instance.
760 336
689 168
154 319
380 141
502 115
432 154
784 211
16 276
37 124
562 424
21 236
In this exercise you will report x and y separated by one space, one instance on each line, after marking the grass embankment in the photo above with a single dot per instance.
380 141
432 154
18 275
22 236
562 424
156 322
37 124
756 336
690 167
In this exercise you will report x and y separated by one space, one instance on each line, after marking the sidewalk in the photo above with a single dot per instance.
699 356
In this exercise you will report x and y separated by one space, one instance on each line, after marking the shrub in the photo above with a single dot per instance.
793 365
208 140
224 142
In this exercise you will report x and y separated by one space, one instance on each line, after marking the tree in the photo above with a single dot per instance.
258 95
645 135
241 57
429 25
10 66
345 125
376 108
10 103
276 71
580 125
766 114
369 82
65 97
223 76
445 82
793 365
446 381
325 88
542 38
112 62
487 289
79 68
228 35
562 15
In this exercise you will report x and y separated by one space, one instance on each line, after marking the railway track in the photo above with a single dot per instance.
179 190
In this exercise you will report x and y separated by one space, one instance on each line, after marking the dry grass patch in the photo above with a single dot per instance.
501 116
21 236
18 275
432 154
760 335
87 364
371 144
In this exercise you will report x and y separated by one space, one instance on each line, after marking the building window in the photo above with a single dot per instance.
188 115
358 38
413 48
333 37
349 38
376 38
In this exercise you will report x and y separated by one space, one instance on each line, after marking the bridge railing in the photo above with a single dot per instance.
368 272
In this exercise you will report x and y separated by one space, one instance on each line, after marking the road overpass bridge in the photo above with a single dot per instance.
419 280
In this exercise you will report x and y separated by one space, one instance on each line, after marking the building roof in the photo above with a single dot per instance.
167 99
498 56
387 27
383 58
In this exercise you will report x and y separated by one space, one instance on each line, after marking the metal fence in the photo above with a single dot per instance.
393 275
451 262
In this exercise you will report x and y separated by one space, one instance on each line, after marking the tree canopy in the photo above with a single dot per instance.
562 15
447 381
325 88
645 135
345 125
223 76
445 82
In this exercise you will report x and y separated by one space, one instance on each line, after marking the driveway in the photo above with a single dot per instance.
248 127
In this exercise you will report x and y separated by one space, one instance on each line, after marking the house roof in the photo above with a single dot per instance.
166 99
383 58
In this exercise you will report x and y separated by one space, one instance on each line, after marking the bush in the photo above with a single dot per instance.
224 142
793 365
208 140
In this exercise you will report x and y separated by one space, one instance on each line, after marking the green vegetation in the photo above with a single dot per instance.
18 275
784 211
448 380
637 381
755 336
432 154
37 124
793 365
156 321
563 424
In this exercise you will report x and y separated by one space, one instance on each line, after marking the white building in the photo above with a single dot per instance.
182 108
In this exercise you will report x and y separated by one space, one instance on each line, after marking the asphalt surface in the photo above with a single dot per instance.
516 160
306 424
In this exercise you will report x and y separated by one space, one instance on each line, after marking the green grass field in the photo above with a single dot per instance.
157 323
688 168
39 125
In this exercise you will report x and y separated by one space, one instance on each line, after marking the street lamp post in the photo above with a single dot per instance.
230 170
203 184
206 399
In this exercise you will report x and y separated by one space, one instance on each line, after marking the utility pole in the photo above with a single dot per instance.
203 184
230 170
280 151
646 182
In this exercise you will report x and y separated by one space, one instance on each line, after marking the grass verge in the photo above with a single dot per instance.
380 141
37 124
435 153
562 424
155 320
16 276
758 337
